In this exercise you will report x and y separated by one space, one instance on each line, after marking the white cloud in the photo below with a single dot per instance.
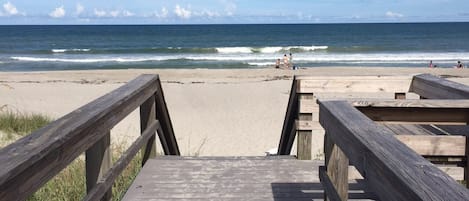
58 12
10 9
114 13
182 12
164 12
99 13
79 9
209 14
127 13
393 14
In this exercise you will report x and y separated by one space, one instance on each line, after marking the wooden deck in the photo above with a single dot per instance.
230 178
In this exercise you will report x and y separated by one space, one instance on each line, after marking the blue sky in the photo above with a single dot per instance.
230 11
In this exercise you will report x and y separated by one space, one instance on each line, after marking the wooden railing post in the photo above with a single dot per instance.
336 163
98 162
466 168
305 117
289 130
304 145
147 117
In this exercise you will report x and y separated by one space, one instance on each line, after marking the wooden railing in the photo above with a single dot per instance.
301 119
432 87
30 162
392 170
297 122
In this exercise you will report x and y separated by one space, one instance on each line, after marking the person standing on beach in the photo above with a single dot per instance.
291 61
285 61
277 63
431 64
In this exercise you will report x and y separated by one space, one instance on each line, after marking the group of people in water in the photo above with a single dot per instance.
458 65
287 62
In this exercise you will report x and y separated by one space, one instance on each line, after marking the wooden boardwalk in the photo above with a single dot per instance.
229 178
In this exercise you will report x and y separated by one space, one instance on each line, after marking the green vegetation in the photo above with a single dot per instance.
16 124
70 183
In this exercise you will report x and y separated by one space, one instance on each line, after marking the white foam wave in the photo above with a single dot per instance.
264 59
308 48
91 60
270 49
69 50
230 50
261 63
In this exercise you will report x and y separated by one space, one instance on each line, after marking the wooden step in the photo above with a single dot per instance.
230 178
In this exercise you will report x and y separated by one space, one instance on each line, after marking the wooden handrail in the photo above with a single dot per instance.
30 162
391 169
288 130
108 179
432 87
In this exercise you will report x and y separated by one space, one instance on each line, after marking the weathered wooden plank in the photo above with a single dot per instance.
162 115
428 115
223 178
31 161
307 125
392 170
108 179
435 145
427 103
466 169
329 188
98 162
286 136
413 129
432 87
304 145
147 117
367 83
336 164
308 105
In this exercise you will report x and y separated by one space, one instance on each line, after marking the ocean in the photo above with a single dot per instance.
77 47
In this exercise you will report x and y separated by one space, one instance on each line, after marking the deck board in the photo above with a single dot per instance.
231 178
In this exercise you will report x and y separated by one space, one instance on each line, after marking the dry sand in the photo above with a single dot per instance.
214 112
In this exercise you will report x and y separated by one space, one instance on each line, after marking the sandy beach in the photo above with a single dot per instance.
214 112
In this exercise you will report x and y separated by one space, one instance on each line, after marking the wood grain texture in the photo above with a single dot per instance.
163 117
391 169
30 162
409 114
304 145
287 136
98 162
426 103
466 169
337 166
367 83
432 87
108 179
148 117
226 178
433 145
330 192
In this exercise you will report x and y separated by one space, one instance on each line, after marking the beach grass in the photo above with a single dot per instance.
70 183
17 124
